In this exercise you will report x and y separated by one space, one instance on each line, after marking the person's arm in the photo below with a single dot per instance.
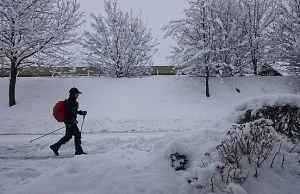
68 112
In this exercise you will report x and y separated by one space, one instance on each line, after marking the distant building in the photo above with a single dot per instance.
268 70
163 70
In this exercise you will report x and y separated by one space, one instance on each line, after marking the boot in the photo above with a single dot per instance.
79 151
78 148
55 149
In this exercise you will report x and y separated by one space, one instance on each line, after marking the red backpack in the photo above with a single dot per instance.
58 111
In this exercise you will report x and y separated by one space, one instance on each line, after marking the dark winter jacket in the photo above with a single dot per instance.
71 110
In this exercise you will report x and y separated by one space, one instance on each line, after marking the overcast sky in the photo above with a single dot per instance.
156 13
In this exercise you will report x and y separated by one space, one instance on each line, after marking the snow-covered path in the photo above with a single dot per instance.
116 163
21 161
19 146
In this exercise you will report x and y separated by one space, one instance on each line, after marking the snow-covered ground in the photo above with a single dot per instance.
156 111
151 104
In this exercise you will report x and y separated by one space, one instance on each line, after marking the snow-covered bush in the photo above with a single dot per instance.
204 178
246 152
213 177
234 189
251 142
244 149
286 119
252 150
282 109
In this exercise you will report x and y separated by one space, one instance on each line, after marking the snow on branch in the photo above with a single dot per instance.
286 34
208 35
252 142
33 28
121 44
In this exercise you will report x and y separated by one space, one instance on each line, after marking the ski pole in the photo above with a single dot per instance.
82 123
47 134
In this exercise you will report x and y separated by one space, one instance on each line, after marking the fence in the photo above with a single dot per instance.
78 71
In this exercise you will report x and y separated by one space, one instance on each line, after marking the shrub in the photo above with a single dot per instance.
286 119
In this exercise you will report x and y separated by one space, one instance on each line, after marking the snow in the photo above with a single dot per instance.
255 103
204 175
161 114
176 147
151 104
235 189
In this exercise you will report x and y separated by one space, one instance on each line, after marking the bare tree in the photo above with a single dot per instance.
121 45
37 32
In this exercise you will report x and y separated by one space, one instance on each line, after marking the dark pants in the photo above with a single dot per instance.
71 130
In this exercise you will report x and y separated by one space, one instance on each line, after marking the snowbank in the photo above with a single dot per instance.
128 171
256 103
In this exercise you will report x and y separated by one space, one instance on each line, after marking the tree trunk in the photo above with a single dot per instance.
12 83
206 82
2 65
254 61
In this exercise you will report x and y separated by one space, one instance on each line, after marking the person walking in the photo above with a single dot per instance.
70 119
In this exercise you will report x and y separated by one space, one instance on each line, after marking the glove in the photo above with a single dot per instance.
83 112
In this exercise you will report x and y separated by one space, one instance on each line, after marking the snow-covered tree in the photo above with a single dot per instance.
121 44
231 34
2 62
257 17
37 32
206 39
286 33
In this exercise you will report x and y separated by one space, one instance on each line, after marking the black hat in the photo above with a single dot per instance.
74 91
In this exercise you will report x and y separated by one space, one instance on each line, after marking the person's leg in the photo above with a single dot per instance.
77 141
55 147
